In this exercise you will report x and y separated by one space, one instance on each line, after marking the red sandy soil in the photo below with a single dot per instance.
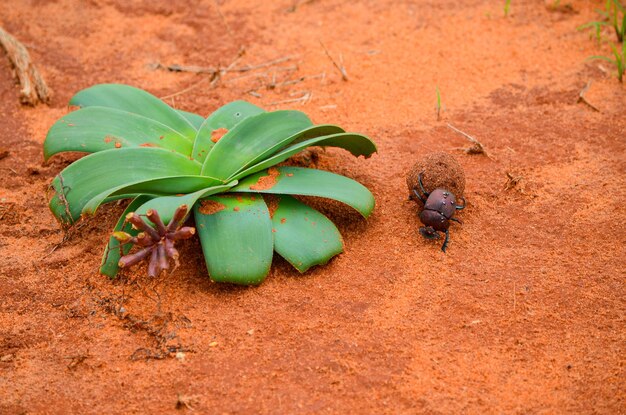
524 314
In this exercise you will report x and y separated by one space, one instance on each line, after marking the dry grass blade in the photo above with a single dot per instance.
475 148
301 79
34 88
223 19
263 65
306 97
581 97
341 68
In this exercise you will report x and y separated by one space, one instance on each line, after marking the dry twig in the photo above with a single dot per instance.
214 78
513 181
34 88
216 74
184 68
581 97
475 148
183 401
340 67
296 4
77 360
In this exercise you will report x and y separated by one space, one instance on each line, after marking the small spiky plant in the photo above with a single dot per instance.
218 169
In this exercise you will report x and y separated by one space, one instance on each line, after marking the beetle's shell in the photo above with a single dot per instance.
435 220
439 171
441 201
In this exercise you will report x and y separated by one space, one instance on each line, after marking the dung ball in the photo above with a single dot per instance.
439 171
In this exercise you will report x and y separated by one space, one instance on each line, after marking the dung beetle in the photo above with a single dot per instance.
439 208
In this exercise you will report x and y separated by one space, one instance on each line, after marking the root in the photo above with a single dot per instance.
34 88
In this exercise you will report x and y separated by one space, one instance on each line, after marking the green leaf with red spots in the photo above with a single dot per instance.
162 186
252 137
136 101
220 122
309 182
89 176
357 144
236 236
304 236
95 129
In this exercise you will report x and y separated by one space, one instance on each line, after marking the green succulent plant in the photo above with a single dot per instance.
219 169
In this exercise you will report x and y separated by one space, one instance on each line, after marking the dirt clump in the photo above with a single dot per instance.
267 182
210 207
216 135
439 170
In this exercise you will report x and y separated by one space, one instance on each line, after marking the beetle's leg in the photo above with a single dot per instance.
445 241
459 207
419 180
457 221
419 196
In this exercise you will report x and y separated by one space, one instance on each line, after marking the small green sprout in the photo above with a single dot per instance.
507 7
597 26
614 12
222 171
614 16
619 60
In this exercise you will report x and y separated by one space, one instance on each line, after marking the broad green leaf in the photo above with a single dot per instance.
357 144
137 101
194 119
95 129
236 236
91 175
309 182
303 135
167 205
303 236
171 185
250 138
114 251
225 117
